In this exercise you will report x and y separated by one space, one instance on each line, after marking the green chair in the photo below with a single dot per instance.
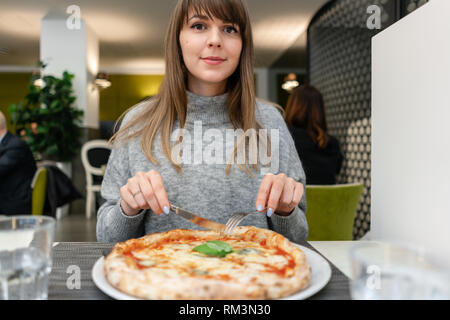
331 211
39 191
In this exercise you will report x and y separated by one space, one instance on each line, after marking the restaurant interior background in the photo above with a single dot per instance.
324 43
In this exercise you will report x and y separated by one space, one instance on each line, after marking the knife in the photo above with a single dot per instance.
202 222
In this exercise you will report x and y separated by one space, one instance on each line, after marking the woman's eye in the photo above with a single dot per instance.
198 26
230 29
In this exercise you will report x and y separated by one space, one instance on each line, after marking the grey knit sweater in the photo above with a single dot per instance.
203 187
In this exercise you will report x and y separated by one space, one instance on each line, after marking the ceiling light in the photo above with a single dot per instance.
290 82
102 80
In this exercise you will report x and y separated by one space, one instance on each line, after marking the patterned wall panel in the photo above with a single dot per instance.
339 65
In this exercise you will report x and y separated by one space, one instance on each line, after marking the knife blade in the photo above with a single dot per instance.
195 219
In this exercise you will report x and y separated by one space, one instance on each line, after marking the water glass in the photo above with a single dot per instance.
25 257
385 271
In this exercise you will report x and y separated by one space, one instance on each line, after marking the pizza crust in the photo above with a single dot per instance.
122 272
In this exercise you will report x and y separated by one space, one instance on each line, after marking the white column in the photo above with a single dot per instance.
75 50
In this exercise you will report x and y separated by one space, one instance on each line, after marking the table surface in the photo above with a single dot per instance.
85 254
337 252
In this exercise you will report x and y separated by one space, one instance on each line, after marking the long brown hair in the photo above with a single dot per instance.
305 109
170 104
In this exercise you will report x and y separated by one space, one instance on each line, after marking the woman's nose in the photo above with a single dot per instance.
214 39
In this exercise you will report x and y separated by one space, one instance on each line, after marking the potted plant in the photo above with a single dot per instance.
47 120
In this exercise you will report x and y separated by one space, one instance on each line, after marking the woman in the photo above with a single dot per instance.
319 152
208 86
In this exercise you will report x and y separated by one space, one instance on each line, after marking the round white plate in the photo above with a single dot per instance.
320 275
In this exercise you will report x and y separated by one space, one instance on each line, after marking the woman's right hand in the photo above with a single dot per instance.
144 191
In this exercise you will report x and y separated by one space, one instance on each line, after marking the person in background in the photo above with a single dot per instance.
17 169
319 151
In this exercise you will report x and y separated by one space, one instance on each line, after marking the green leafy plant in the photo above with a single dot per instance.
47 121
214 248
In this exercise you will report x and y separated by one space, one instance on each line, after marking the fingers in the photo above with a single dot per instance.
159 192
298 194
264 191
128 203
145 191
275 193
287 196
148 192
279 193
135 187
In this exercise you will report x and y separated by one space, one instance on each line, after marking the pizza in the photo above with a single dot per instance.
252 263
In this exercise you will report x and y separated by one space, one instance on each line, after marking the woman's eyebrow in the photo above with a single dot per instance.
202 17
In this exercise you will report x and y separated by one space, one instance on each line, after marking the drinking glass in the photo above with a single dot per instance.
386 271
25 257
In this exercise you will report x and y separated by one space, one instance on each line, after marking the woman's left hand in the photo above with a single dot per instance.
279 193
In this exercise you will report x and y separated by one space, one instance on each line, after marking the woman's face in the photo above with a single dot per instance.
211 51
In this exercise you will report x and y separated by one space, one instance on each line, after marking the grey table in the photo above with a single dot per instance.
85 254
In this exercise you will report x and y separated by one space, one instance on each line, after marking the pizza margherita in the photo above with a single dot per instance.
253 263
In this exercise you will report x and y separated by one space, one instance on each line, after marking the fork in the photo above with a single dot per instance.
236 219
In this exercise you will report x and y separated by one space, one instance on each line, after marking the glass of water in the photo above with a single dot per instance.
384 271
25 256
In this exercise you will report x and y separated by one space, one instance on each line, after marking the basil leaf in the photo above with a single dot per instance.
222 245
214 248
205 249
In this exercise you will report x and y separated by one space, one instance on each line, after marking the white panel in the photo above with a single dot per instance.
92 92
411 130
77 52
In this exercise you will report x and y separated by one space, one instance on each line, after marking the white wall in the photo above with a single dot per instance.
92 68
411 130
77 52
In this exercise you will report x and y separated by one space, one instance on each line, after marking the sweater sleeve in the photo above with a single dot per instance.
112 223
295 226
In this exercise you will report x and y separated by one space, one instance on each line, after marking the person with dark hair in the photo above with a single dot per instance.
319 151
209 82
17 168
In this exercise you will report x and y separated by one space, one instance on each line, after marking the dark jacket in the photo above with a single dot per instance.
17 169
60 190
321 165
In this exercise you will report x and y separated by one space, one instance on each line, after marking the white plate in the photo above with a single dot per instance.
320 275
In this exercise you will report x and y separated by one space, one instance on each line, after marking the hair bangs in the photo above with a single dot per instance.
229 11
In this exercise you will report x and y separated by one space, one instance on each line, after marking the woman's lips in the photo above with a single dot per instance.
213 61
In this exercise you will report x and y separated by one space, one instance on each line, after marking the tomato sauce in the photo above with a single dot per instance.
189 239
224 277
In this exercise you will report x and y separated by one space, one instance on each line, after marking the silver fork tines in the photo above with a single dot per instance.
235 220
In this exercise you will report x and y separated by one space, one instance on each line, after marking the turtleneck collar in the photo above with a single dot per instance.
209 110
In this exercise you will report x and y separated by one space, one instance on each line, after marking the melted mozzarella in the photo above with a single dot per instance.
175 259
